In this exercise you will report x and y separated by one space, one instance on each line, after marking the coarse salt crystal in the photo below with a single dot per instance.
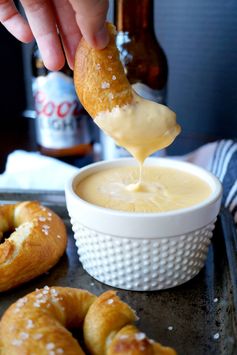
114 77
24 335
170 327
43 300
140 336
59 351
215 300
54 292
29 324
50 346
216 336
105 85
56 300
42 219
21 302
110 301
16 342
45 226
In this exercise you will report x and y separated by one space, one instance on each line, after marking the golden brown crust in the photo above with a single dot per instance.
6 218
108 329
36 324
99 77
112 315
34 247
130 341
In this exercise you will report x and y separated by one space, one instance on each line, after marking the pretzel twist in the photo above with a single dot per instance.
36 324
37 242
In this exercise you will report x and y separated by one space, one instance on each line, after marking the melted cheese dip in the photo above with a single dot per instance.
162 189
142 127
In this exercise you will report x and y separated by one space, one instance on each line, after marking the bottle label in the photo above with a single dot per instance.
110 149
61 121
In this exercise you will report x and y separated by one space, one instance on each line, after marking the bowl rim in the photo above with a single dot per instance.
196 211
215 194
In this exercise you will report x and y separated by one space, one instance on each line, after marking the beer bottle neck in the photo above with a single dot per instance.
134 16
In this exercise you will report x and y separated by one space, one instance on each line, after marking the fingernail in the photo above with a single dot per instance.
102 38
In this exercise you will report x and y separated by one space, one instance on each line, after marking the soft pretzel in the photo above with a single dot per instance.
112 332
36 324
36 244
139 125
99 77
130 341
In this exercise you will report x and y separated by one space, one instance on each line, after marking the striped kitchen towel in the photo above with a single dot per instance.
224 166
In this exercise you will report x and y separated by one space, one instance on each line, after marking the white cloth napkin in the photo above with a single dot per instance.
30 170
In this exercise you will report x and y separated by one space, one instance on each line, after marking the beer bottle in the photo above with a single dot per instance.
64 129
144 60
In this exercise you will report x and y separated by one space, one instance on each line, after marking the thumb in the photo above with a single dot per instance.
91 17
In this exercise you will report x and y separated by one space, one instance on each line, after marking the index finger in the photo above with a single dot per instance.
42 21
91 17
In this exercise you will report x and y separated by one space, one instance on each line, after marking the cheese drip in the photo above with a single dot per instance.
142 128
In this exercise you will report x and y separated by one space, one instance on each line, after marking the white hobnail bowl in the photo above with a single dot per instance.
143 251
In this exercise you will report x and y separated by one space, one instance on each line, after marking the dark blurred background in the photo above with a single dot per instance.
200 41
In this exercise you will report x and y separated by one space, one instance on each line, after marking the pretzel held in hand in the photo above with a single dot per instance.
99 77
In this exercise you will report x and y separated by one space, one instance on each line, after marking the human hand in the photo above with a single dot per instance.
72 18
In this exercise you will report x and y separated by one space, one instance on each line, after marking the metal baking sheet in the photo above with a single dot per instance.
196 318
